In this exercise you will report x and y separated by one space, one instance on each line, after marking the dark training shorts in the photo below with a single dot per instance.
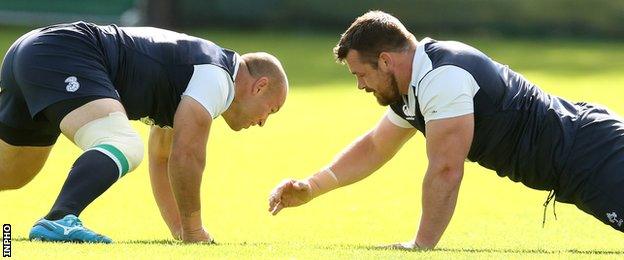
594 176
58 66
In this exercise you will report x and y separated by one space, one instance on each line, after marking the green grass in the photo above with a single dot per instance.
495 218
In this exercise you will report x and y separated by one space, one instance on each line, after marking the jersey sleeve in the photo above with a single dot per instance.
211 86
397 120
447 92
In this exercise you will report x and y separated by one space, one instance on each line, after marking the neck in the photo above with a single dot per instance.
404 71
242 78
241 82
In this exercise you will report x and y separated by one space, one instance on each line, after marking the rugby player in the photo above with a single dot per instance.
469 107
87 81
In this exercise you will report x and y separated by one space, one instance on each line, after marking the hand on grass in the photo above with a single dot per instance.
410 245
196 236
289 193
177 233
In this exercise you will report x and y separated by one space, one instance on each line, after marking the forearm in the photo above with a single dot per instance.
353 164
159 150
161 188
185 175
439 197
360 159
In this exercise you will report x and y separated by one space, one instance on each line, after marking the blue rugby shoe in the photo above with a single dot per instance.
67 229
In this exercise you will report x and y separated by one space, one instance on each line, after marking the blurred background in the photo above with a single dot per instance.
569 48
567 18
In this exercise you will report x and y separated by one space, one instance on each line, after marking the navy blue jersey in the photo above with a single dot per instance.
521 132
146 69
150 68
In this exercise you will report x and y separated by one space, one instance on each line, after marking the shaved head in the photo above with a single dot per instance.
261 90
262 64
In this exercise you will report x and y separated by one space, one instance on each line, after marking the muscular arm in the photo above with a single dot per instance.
159 149
186 164
364 156
371 151
448 143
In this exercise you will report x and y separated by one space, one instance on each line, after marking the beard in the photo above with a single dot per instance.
391 95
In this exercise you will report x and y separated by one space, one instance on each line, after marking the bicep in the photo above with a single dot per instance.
191 126
448 141
388 135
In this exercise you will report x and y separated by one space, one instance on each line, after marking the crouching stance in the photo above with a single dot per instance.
87 81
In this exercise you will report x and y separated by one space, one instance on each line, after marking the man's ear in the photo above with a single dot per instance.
385 62
260 85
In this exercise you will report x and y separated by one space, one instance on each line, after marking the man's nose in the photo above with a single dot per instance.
360 83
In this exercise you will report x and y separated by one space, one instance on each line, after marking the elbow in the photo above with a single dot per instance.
447 174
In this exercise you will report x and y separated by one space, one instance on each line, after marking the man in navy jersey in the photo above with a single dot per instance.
87 81
468 107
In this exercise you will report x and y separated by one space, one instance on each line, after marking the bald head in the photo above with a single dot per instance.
261 90
262 64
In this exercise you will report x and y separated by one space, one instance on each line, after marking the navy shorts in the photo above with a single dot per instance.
49 66
594 176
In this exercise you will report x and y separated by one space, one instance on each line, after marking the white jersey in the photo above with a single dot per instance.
444 92
212 87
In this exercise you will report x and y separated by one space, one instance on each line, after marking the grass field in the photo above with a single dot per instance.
495 218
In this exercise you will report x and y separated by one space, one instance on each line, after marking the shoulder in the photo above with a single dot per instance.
446 91
464 56
212 87
210 72
447 75
448 52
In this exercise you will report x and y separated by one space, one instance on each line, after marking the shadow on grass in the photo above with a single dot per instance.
157 242
174 242
375 248
141 242
506 251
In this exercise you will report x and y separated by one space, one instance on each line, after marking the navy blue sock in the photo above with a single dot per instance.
92 174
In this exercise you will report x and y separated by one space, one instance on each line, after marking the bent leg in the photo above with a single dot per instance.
596 167
112 148
603 194
98 122
606 207
20 164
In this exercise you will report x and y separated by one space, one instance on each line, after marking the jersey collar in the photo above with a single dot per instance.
421 64
236 65
230 98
